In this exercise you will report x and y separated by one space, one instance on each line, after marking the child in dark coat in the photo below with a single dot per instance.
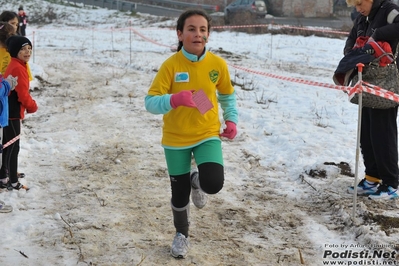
19 102
4 91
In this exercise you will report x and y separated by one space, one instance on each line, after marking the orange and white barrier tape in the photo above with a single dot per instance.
360 86
298 80
363 86
11 141
148 39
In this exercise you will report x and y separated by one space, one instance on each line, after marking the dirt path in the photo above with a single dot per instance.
114 192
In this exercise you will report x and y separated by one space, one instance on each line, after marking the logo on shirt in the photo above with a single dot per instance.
214 75
182 77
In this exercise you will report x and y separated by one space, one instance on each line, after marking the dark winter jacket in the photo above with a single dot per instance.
382 24
23 19
345 69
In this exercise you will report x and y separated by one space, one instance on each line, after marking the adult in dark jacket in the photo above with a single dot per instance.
23 21
378 20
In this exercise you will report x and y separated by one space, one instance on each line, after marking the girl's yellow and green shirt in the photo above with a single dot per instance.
186 127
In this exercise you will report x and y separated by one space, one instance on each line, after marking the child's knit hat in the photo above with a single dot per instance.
15 43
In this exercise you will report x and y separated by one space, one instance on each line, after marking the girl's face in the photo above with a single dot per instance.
25 53
14 23
194 35
364 7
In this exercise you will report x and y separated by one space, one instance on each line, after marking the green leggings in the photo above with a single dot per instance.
179 161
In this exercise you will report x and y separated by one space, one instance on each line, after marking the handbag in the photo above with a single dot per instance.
385 77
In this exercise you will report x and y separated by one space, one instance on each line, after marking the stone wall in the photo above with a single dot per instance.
301 8
286 8
311 8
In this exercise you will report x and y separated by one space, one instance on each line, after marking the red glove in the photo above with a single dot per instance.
361 41
230 131
183 98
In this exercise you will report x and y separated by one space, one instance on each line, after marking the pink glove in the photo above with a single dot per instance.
230 131
183 98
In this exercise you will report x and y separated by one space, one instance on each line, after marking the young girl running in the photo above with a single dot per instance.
187 90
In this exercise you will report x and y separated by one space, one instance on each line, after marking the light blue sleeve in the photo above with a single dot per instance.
4 90
229 107
158 104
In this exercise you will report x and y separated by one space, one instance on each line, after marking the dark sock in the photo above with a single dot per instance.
181 219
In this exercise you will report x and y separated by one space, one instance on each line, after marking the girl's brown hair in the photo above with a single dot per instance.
185 15
6 16
6 30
